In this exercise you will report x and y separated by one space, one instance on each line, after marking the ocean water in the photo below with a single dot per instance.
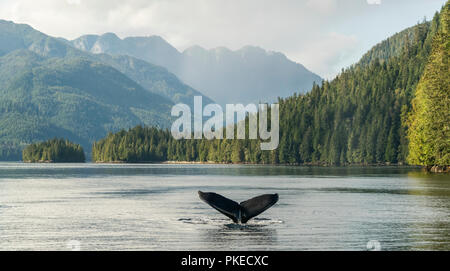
156 207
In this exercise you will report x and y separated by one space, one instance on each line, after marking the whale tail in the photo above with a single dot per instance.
239 212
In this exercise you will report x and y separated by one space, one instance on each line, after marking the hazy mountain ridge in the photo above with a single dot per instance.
250 74
73 98
49 88
357 118
396 44
21 36
154 78
152 49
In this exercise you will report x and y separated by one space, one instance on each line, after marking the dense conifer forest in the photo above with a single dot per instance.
55 151
429 122
360 117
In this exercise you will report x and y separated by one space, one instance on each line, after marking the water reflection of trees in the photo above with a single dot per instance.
432 233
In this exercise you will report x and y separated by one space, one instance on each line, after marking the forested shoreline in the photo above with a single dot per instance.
390 108
54 151
359 118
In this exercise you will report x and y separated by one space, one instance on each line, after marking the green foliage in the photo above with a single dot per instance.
153 78
137 145
149 144
55 150
429 132
395 45
73 98
50 89
357 118
10 151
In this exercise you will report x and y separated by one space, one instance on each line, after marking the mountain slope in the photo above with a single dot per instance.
73 98
250 74
226 76
357 118
21 36
152 49
48 88
395 45
154 78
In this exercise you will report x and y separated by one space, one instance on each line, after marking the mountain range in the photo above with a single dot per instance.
391 107
83 89
51 89
248 75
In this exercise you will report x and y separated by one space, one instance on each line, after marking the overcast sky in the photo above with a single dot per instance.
323 35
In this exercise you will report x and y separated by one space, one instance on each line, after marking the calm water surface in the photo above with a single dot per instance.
156 207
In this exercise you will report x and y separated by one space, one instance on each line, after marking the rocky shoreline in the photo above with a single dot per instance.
438 169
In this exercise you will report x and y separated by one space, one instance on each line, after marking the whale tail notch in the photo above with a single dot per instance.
239 212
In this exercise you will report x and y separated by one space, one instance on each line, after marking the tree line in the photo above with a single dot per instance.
54 150
429 121
360 117
392 107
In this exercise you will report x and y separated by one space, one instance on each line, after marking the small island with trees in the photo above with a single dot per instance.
54 151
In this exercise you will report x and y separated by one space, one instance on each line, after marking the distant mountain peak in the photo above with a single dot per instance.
249 74
13 24
252 48
54 87
155 38
85 42
110 36
195 49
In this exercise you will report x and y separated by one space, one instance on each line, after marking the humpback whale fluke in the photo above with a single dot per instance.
239 213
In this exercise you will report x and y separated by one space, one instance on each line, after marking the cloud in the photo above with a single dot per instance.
325 53
374 2
73 2
323 6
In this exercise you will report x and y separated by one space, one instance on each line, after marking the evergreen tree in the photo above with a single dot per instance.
54 150
359 117
429 132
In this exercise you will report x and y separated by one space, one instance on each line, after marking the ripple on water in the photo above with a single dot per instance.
226 222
